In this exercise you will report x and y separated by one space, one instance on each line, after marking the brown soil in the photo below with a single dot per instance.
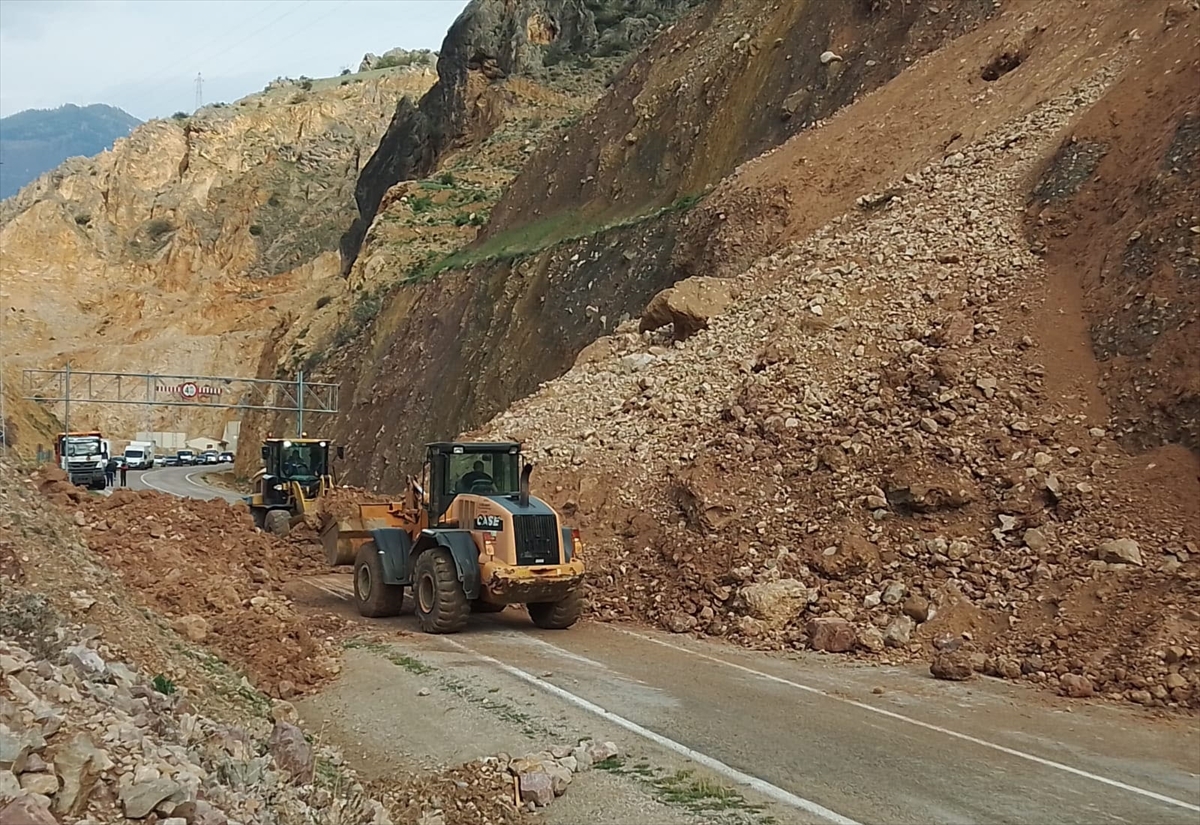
218 580
1116 212
877 410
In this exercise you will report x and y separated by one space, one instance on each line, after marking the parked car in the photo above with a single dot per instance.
210 457
171 461
226 458
161 460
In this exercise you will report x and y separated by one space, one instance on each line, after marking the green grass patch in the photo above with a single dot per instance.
704 797
415 666
533 238
228 682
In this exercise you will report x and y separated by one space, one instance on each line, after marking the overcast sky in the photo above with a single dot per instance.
143 55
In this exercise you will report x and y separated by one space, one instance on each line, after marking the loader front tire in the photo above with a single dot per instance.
557 615
441 605
374 598
278 522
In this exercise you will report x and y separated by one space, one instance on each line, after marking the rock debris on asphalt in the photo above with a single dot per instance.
860 453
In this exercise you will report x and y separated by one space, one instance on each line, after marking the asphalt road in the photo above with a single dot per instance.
814 738
184 482
810 737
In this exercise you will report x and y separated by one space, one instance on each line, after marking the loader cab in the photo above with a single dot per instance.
480 468
304 461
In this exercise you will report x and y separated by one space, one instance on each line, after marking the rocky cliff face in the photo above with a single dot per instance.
490 41
558 267
181 248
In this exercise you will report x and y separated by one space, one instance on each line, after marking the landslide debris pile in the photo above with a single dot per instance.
85 739
205 567
495 790
861 453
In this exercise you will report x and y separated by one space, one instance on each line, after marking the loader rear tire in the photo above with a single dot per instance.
374 598
278 522
557 615
441 605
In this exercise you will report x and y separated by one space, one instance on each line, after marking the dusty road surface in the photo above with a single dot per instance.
713 733
184 482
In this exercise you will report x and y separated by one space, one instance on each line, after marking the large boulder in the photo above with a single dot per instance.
688 305
777 603
952 665
831 634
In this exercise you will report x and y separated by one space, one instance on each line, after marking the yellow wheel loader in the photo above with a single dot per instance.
295 473
467 536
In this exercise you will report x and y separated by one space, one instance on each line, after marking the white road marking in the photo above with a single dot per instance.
146 480
525 638
1115 783
761 786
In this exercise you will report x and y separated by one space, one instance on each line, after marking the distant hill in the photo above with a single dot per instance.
37 140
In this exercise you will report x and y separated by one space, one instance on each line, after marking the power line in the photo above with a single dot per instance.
190 57
247 38
291 36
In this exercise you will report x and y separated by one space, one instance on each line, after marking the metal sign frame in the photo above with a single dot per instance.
67 386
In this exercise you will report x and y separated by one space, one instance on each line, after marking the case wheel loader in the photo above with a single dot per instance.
467 537
295 473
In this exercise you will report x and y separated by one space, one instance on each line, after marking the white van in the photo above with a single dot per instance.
139 455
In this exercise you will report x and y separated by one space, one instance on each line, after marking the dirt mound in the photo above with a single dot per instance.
217 579
341 503
869 426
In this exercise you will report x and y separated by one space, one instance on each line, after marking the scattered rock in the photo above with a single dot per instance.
870 638
1035 540
1120 551
952 665
26 810
688 305
601 751
536 787
45 784
292 752
899 631
831 635
680 622
194 628
138 800
916 607
1075 686
777 603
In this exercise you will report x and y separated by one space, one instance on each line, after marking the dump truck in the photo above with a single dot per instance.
467 536
82 456
295 473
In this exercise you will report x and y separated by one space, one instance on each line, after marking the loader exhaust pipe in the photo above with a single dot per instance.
523 490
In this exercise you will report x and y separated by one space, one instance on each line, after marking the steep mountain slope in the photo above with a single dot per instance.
181 249
868 448
37 140
1117 214
485 326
